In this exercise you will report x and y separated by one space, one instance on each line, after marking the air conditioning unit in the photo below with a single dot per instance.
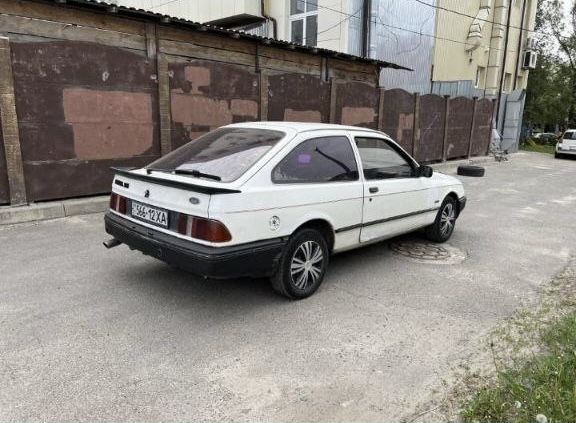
530 60
531 43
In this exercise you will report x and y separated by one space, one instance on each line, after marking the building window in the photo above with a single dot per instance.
480 77
304 22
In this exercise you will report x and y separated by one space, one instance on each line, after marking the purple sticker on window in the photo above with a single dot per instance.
304 158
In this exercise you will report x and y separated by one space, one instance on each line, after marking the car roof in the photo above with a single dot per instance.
300 126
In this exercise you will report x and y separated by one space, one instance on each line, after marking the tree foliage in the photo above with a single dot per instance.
551 93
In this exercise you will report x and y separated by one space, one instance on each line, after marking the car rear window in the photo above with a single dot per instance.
225 153
571 135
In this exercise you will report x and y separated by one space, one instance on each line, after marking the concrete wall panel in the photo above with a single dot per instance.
482 127
205 95
398 119
299 98
431 124
81 106
357 104
459 124
4 190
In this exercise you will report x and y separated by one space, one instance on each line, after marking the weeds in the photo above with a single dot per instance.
544 386
538 148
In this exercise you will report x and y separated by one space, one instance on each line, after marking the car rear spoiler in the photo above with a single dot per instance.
126 171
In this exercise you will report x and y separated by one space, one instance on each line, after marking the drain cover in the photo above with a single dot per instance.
427 252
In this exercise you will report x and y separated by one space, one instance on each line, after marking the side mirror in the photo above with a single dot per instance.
425 171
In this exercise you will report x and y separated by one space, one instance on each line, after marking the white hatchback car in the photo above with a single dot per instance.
567 144
277 199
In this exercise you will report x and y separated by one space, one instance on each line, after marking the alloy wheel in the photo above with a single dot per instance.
307 265
447 219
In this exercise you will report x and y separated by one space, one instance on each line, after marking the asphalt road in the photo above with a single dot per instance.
90 334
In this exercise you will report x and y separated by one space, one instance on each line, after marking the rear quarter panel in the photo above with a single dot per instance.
250 216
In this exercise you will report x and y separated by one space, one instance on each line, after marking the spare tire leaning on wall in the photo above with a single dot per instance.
468 170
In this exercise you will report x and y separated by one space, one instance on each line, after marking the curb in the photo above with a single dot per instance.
53 210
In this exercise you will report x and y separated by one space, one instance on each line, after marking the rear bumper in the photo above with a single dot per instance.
565 152
255 259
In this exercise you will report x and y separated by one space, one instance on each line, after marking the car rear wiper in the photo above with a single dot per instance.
193 172
196 174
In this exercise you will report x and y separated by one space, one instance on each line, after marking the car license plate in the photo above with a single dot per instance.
150 214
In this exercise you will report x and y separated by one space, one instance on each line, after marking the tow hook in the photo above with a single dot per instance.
111 243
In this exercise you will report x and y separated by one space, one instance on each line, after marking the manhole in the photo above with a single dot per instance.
427 252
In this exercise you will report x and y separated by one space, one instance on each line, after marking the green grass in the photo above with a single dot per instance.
549 149
543 384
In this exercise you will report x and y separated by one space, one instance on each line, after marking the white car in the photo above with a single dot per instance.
567 144
277 199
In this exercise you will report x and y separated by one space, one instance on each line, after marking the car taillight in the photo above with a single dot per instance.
205 229
118 203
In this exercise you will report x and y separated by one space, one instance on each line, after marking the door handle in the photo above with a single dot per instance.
373 190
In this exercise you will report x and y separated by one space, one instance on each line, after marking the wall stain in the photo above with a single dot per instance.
362 116
203 98
302 98
291 115
109 124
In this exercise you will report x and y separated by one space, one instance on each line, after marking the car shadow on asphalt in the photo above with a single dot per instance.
566 157
164 281
160 280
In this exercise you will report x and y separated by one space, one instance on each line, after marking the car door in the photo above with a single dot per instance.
395 197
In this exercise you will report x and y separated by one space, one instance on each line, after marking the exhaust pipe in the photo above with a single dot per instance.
111 243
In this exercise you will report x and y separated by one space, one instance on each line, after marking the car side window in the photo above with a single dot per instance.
325 159
381 161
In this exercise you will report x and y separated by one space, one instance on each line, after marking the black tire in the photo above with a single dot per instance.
441 231
468 170
557 156
296 284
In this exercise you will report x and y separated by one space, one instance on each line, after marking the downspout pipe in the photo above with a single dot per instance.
271 19
503 72
520 39
366 10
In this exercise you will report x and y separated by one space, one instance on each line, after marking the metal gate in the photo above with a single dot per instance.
512 120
